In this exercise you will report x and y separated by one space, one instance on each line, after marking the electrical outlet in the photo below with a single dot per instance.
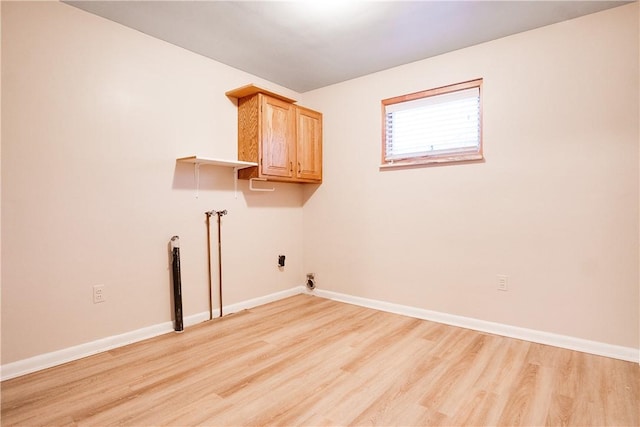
98 294
503 282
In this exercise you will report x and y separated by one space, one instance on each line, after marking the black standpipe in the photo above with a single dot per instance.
177 283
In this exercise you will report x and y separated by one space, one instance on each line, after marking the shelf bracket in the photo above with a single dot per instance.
196 172
235 181
197 161
196 176
252 188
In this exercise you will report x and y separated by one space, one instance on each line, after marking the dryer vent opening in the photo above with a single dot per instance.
311 281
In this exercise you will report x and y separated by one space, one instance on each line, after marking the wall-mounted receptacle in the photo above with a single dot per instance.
503 282
98 294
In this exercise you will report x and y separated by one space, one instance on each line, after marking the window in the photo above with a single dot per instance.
434 126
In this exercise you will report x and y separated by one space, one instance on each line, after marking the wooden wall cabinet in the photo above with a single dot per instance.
283 138
309 139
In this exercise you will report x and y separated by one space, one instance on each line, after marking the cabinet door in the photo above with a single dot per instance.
277 138
309 144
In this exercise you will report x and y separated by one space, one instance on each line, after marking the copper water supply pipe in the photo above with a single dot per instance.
219 214
208 214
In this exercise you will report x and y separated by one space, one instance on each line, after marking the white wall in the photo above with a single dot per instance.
94 115
554 206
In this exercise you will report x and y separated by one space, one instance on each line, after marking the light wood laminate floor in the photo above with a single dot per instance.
310 361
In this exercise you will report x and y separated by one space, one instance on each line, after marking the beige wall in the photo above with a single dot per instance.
94 115
0 182
554 206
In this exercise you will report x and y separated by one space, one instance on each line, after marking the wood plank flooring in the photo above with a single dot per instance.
310 361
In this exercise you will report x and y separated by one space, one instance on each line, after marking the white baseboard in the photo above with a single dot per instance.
563 341
47 360
233 308
37 363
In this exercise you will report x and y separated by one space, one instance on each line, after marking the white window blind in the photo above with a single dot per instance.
433 125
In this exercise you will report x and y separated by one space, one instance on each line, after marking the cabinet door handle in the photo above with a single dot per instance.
291 167
299 168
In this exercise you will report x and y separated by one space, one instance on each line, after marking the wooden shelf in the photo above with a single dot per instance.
251 89
216 162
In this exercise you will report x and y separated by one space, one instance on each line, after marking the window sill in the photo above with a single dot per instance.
434 161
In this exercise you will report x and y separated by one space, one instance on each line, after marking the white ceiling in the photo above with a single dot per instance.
305 45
